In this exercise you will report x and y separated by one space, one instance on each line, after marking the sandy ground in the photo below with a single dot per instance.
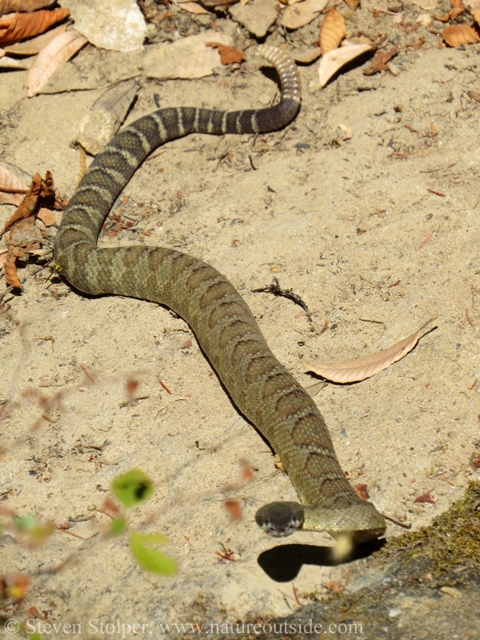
340 221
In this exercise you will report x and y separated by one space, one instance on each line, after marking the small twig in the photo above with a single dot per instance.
469 320
397 522
164 386
438 169
87 373
276 290
425 241
370 320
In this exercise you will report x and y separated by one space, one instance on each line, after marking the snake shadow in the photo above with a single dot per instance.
283 563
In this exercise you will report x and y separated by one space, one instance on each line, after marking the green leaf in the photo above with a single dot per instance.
151 559
117 526
132 487
24 523
34 636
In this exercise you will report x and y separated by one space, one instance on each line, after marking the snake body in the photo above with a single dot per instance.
224 326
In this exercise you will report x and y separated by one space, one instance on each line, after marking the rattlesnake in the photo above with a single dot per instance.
224 326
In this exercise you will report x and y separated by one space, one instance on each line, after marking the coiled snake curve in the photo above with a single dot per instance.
224 326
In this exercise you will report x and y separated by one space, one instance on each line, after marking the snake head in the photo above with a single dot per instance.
280 519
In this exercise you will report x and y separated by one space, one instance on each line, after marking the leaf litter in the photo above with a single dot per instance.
332 31
368 366
55 54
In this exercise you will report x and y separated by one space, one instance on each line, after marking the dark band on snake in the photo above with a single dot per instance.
224 326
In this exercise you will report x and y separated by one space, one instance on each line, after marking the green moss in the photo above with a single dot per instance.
449 548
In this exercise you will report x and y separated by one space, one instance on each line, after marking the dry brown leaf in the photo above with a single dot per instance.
193 7
471 5
459 34
26 6
51 58
356 370
12 63
234 509
186 57
362 491
313 389
12 186
298 15
352 4
24 238
334 60
11 276
305 56
35 45
380 62
10 198
228 55
457 9
47 216
476 15
10 182
332 31
39 188
426 497
27 206
18 26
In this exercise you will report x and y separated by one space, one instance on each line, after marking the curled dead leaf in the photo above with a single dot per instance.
26 6
426 497
352 4
13 184
11 276
56 53
356 370
24 238
332 31
334 60
451 15
47 216
362 491
228 55
299 14
26 25
380 62
28 204
458 34
35 45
